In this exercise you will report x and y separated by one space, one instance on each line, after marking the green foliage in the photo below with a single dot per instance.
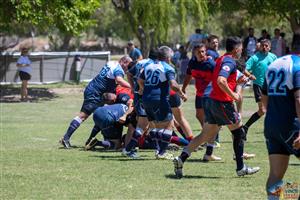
70 17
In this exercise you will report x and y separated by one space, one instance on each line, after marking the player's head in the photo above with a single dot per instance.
153 54
213 42
165 53
234 46
24 51
198 30
124 62
109 98
130 45
251 31
200 52
265 45
296 44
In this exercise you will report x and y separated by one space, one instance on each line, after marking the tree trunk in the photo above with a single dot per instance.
295 24
66 43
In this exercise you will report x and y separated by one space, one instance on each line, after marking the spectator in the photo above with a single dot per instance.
277 44
24 69
195 39
264 35
249 44
134 53
182 66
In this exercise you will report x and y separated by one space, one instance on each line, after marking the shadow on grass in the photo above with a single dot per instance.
294 164
172 176
202 161
11 94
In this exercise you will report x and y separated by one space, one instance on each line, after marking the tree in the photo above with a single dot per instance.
150 20
69 17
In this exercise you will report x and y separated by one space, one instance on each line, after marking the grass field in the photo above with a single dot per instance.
33 166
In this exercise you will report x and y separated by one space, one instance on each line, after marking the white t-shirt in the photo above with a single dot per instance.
24 60
251 46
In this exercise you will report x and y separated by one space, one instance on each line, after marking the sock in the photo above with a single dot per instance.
153 136
179 129
134 140
174 133
75 123
184 155
209 149
238 147
106 144
179 141
164 137
252 119
93 134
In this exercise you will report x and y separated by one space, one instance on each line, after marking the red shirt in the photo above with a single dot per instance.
124 90
226 67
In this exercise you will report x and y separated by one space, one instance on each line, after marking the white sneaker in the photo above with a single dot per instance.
247 171
207 158
165 156
178 164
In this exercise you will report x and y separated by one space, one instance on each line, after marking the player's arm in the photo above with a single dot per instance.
120 80
130 79
223 84
141 82
130 109
248 68
174 85
187 79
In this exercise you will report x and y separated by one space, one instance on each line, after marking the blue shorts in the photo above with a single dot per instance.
91 101
113 133
138 106
281 142
103 119
198 102
174 101
220 113
158 110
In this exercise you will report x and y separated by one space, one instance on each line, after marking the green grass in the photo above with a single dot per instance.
33 166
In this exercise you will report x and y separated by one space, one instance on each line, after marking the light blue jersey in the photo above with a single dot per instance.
105 80
157 76
282 79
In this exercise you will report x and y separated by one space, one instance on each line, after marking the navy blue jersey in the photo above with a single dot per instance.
282 79
112 112
157 76
212 53
136 70
105 80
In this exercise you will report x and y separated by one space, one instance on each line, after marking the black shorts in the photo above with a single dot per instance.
24 76
257 92
175 101
158 110
198 102
220 113
281 142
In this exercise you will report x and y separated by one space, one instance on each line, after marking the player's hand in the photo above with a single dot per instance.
122 120
237 96
296 143
183 97
183 90
252 77
242 79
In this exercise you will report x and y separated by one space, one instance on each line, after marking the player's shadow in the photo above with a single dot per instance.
121 158
11 94
205 162
172 176
294 164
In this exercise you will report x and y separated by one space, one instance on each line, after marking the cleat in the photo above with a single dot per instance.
130 154
247 171
165 156
173 147
65 143
178 164
217 144
207 158
91 144
246 156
